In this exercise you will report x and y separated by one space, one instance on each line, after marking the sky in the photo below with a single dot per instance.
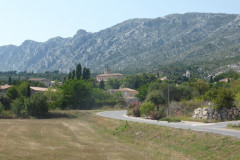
40 20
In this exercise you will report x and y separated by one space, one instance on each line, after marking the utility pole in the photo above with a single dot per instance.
168 98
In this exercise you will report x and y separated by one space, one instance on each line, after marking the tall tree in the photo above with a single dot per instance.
101 85
69 75
86 73
73 74
79 71
9 80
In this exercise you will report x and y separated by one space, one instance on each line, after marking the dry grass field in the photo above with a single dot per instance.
83 135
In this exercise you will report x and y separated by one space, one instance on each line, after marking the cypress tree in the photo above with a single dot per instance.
86 73
79 71
73 74
69 75
101 85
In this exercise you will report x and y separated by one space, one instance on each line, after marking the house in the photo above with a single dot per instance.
45 81
225 80
4 88
127 93
108 75
34 90
187 74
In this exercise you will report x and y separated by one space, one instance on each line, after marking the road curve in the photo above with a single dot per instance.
218 128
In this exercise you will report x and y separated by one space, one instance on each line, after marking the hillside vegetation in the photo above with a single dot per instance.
211 40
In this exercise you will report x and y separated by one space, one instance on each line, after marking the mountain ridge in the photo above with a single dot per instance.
133 44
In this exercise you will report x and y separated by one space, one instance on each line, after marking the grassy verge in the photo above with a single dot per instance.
234 126
83 135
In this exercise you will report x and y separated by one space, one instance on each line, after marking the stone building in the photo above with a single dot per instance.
127 93
106 75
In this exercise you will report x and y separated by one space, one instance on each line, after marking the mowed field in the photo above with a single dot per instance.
83 135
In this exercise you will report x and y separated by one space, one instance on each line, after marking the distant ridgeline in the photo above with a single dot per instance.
209 42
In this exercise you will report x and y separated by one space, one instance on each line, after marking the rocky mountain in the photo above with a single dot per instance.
133 44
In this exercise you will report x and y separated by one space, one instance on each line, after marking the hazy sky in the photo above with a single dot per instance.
40 20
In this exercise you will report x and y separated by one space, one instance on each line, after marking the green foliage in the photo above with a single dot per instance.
230 74
200 86
237 98
13 93
156 98
24 89
6 102
146 108
170 119
143 90
79 71
18 107
224 99
103 98
156 115
136 81
1 107
54 99
134 109
101 85
86 73
73 74
37 105
113 83
77 94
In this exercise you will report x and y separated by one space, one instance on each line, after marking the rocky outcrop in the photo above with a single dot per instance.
213 114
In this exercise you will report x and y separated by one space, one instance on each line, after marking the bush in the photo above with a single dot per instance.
13 93
146 108
224 99
5 102
37 105
136 111
156 115
133 109
17 106
1 107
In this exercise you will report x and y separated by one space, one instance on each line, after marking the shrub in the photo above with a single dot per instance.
146 108
37 105
136 111
1 107
224 99
5 102
156 115
12 93
17 106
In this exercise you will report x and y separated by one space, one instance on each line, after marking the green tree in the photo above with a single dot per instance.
17 106
12 92
69 75
9 80
224 99
54 99
77 94
73 74
143 90
156 98
24 89
1 107
37 105
86 73
113 83
79 71
101 85
146 108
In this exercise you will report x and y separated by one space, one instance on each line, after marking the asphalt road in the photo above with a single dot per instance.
218 128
